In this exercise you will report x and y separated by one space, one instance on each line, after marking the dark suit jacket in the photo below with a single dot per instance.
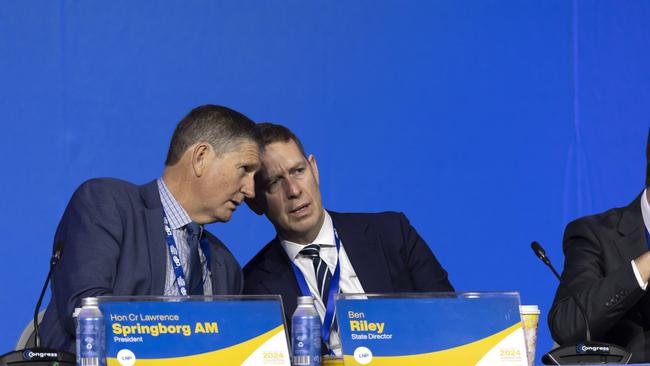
386 252
598 250
115 245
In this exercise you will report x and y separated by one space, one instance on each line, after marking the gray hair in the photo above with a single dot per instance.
221 127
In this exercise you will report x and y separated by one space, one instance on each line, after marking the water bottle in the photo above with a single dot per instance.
91 345
305 333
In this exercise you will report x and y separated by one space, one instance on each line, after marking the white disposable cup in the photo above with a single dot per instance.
530 321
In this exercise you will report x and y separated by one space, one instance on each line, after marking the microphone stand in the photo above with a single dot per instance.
38 355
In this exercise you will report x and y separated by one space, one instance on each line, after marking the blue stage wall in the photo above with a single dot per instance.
490 124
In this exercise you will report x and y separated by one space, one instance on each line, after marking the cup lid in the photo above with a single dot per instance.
529 309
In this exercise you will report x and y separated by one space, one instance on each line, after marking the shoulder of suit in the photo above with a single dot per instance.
104 189
608 220
106 197
367 216
270 252
387 221
107 185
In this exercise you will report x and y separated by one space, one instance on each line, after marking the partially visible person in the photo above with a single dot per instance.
607 266
123 239
370 252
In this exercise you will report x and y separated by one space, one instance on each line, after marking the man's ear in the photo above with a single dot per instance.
254 205
312 161
200 158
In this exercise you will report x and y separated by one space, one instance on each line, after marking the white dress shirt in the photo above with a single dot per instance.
348 282
645 211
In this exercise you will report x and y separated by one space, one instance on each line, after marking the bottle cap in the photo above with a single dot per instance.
305 300
89 301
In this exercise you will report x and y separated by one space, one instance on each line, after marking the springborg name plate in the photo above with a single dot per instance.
215 330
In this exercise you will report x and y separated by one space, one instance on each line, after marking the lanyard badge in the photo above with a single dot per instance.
176 260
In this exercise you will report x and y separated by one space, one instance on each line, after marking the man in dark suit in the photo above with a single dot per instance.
124 239
607 266
368 253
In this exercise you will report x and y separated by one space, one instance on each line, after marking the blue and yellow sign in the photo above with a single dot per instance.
188 332
428 330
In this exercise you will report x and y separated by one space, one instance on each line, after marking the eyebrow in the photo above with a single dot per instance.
298 164
250 165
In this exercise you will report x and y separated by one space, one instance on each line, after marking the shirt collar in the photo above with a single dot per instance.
175 213
324 238
645 209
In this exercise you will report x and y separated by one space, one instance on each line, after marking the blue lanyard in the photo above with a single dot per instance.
334 289
176 260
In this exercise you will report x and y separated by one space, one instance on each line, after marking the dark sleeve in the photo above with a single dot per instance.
606 297
252 284
235 277
237 284
254 278
426 272
90 230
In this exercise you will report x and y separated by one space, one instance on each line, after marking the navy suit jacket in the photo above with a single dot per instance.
114 244
386 252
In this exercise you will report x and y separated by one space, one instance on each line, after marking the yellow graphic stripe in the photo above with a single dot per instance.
468 354
233 355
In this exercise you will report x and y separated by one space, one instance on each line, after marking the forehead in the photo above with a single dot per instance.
280 155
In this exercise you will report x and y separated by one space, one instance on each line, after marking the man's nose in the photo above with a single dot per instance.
248 189
292 188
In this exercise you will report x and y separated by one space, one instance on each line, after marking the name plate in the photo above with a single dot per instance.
223 330
431 329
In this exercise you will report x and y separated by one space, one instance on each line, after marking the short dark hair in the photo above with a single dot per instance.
270 133
221 127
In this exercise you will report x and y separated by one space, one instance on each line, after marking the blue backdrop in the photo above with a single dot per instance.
490 124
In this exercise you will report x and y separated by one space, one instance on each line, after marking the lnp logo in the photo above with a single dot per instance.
125 357
362 355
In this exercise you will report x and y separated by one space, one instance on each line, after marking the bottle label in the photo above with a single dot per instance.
90 340
306 341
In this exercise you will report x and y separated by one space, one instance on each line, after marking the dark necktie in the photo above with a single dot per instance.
195 280
323 274
323 278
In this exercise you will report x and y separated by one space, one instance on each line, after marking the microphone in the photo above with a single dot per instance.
583 352
38 355
541 254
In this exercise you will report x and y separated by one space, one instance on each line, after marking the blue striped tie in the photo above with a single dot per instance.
323 274
195 280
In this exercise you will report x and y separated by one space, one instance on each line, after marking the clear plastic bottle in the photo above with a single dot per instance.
306 333
91 345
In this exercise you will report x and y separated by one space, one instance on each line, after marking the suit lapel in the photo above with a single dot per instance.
153 216
632 241
219 275
365 254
